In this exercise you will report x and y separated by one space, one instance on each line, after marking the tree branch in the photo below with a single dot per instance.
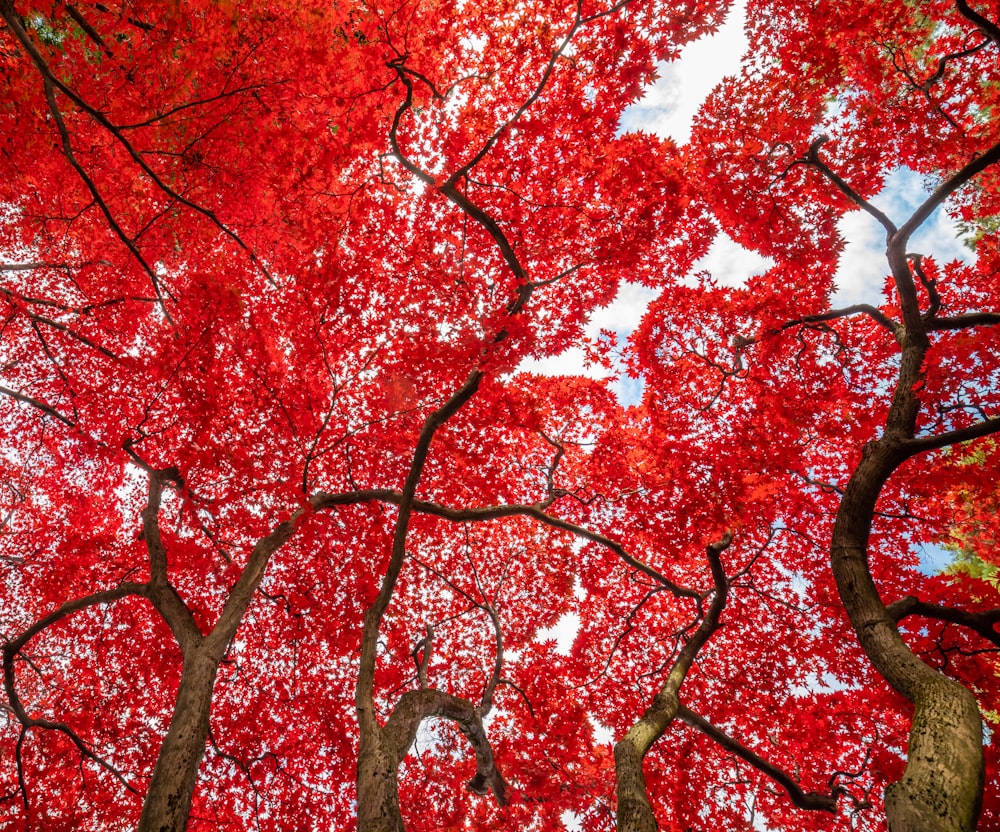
12 647
417 705
536 511
364 692
162 594
966 321
920 444
10 17
990 157
986 26
635 813
38 405
872 312
983 623
539 88
804 800
812 160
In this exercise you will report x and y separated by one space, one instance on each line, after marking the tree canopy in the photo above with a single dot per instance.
286 524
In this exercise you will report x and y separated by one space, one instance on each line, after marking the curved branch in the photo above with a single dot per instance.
635 813
938 73
811 159
38 405
450 190
12 647
417 705
986 26
930 286
983 623
536 511
804 800
966 321
872 312
539 88
942 192
162 594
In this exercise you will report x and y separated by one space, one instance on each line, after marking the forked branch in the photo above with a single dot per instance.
14 646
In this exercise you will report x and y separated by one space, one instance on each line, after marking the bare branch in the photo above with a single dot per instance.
536 511
872 312
38 405
967 321
983 623
990 157
812 160
920 444
417 705
804 800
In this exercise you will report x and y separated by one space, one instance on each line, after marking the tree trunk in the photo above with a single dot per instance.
168 801
634 812
941 788
942 785
378 789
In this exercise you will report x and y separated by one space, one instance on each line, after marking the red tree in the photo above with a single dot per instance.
284 525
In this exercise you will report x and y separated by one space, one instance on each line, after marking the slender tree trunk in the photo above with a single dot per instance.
634 811
168 801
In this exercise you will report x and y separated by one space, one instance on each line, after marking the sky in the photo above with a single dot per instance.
667 109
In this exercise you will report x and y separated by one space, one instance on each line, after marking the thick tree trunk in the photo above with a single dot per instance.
378 789
168 801
941 788
942 785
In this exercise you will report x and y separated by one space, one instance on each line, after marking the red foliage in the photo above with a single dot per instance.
250 254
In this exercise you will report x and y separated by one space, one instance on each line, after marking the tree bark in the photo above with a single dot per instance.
378 786
168 801
634 812
942 785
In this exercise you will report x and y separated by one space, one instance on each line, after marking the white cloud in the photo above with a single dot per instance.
669 106
863 267
667 109
621 317
731 264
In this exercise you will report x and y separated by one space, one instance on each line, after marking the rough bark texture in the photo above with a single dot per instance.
941 788
635 814
378 791
943 781
168 800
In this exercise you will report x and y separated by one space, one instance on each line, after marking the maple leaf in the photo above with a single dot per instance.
289 539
